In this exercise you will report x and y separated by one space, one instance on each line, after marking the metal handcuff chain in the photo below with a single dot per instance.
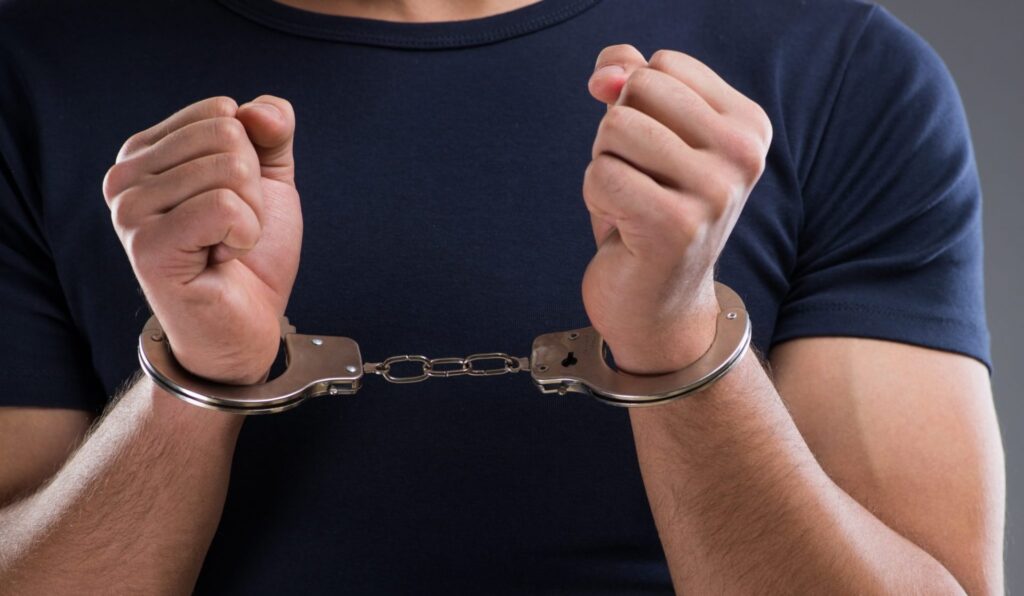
561 362
433 367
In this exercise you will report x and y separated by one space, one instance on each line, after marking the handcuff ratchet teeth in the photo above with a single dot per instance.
561 362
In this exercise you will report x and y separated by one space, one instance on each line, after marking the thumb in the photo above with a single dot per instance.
614 65
270 123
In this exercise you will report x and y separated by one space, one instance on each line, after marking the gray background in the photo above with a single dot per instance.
982 43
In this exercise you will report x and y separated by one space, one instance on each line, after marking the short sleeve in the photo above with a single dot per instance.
44 360
890 246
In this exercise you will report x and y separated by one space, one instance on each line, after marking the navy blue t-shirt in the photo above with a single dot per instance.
440 168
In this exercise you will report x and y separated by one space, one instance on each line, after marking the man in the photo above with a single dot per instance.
814 157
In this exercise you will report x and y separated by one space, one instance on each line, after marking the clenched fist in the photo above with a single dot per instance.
675 157
206 207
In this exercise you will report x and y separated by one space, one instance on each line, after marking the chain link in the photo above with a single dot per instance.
451 366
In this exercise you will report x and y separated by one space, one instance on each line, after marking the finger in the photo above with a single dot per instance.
213 107
613 67
195 140
601 227
674 104
652 221
649 146
159 194
206 137
270 122
210 220
699 77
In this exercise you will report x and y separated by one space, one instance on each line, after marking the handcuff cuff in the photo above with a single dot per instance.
561 362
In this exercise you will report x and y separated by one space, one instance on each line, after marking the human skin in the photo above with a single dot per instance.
206 207
416 11
740 501
748 495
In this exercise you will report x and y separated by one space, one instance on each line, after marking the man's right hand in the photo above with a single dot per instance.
206 207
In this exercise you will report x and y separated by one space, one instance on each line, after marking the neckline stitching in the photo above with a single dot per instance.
440 41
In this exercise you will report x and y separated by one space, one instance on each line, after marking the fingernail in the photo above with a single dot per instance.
610 69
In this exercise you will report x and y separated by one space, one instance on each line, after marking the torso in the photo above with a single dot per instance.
443 216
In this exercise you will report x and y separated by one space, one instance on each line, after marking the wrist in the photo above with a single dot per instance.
669 347
251 369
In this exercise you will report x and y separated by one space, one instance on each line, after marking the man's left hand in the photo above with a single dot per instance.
674 161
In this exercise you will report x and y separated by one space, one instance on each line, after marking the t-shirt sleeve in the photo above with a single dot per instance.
890 246
44 360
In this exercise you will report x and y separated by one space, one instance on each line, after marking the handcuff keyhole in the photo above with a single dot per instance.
569 360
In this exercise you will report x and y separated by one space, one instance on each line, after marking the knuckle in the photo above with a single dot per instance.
638 84
606 175
132 144
592 177
764 125
663 58
589 178
137 242
617 120
758 121
121 211
117 217
598 170
116 180
223 106
234 168
746 149
224 204
229 132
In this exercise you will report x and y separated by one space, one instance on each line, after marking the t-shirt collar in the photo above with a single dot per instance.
438 35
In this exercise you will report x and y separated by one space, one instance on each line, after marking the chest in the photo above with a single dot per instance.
433 223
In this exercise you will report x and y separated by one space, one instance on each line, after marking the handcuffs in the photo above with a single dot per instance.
561 362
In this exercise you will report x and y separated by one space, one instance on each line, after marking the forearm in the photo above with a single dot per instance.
742 506
133 510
